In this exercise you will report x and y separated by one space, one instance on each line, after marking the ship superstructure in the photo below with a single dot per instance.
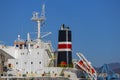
35 58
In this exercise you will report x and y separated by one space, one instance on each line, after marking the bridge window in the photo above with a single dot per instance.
17 45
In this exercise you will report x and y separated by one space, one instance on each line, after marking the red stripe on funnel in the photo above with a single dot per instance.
64 46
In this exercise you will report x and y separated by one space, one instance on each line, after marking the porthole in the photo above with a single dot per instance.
40 62
16 62
25 62
38 53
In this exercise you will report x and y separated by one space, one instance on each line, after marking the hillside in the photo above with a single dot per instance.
115 67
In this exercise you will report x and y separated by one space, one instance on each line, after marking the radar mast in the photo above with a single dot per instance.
40 20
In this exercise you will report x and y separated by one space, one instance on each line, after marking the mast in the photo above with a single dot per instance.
40 20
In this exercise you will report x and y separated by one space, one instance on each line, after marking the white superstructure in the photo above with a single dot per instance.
36 58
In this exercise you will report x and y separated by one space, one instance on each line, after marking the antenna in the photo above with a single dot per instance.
43 11
40 20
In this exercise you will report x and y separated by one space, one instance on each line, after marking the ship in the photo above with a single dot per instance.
35 59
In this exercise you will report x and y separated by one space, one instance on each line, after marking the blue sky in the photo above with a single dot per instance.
95 25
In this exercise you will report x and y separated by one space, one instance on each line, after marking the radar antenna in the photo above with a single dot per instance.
40 20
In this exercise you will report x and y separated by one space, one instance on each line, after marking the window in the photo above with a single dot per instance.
17 46
25 45
38 53
26 72
20 46
40 62
16 62
10 65
22 53
25 62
